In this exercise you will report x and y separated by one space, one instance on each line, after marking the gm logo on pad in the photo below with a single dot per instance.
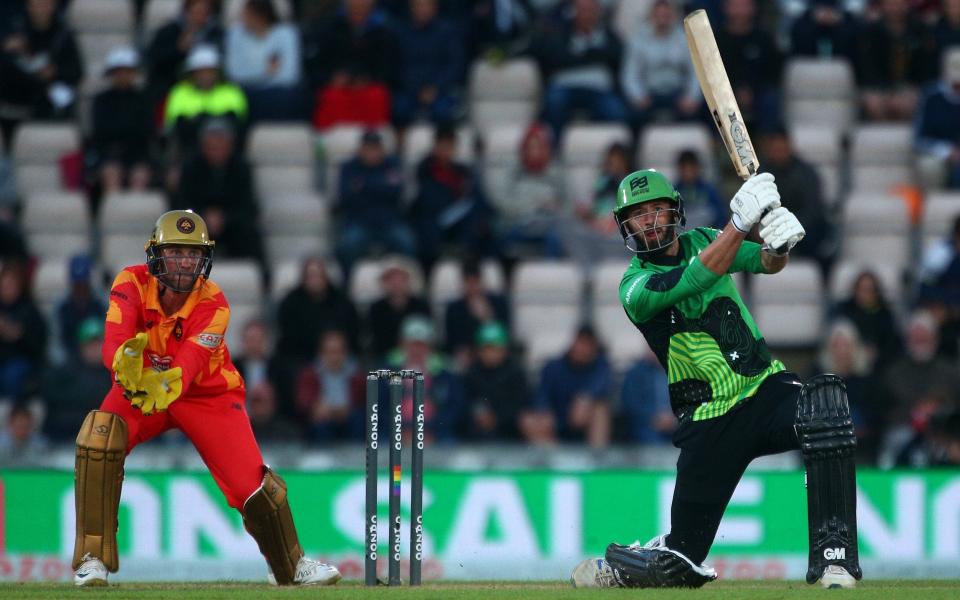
638 182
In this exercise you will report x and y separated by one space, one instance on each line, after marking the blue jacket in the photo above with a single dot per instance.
561 381
937 125
371 196
431 55
644 394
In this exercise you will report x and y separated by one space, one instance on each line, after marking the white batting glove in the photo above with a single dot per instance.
780 231
755 196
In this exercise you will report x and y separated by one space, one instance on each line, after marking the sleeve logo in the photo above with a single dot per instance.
210 340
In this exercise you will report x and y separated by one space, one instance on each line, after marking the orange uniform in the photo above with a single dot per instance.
211 408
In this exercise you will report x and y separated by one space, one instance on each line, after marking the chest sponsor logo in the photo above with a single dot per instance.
210 340
160 363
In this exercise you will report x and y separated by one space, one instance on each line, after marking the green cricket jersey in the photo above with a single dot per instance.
698 327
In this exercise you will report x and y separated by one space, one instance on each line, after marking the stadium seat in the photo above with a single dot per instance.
660 144
365 279
101 16
56 224
501 155
881 156
543 346
788 307
156 14
876 225
584 147
279 144
94 47
605 283
533 321
940 210
844 273
820 92
446 277
821 146
233 8
628 16
37 148
296 225
119 250
131 212
624 342
286 276
547 283
504 93
285 180
239 279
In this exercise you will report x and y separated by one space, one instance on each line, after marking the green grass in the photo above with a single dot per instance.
737 590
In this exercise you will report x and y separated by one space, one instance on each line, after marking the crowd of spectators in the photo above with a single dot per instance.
175 111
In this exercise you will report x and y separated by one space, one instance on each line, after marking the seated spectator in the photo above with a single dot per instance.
118 155
936 124
701 201
80 304
594 236
263 57
268 424
20 440
351 63
370 204
939 289
574 392
946 30
896 55
23 334
217 183
450 212
476 307
431 59
196 26
657 76
200 95
533 205
580 59
497 393
314 306
40 67
257 367
330 392
869 310
801 191
753 63
645 403
387 314
499 28
944 438
825 30
78 386
444 399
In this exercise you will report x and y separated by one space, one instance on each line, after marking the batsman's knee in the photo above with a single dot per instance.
824 424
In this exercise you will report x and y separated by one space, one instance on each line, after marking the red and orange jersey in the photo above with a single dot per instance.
191 338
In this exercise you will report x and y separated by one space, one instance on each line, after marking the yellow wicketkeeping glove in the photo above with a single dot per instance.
128 362
157 390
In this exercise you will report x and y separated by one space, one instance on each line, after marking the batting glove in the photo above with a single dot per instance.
757 195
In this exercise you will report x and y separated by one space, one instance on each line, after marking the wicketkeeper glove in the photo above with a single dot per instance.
780 231
128 362
158 390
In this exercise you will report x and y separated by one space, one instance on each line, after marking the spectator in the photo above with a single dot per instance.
496 389
20 441
450 211
868 309
936 124
78 386
267 423
40 67
314 306
499 28
944 438
23 334
802 193
389 312
200 95
217 184
196 26
476 307
917 386
259 370
263 56
330 392
753 62
595 236
946 31
896 56
645 403
533 205
575 391
431 59
825 30
940 288
351 62
657 76
80 304
580 60
370 204
118 155
701 201
444 399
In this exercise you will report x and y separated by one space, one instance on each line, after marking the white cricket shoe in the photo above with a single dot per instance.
836 577
310 572
91 572
593 572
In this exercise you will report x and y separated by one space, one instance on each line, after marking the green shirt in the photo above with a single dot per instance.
698 327
187 101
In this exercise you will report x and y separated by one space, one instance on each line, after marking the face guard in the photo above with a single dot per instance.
651 230
181 229
171 272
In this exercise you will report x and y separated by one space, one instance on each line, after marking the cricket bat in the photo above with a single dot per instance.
718 93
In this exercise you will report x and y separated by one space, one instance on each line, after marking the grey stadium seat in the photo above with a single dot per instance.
584 147
504 93
788 306
660 144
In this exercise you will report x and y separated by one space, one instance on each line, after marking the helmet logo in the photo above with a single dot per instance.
638 182
185 225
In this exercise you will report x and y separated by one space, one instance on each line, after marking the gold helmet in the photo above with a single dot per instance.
179 228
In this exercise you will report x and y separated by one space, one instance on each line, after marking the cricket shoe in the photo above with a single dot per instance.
91 572
836 577
310 572
593 572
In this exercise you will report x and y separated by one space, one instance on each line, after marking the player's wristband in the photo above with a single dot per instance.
738 223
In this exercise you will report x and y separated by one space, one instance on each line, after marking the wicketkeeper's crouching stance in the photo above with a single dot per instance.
733 400
164 345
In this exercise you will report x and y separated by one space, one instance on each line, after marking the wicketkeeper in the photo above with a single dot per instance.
164 344
734 401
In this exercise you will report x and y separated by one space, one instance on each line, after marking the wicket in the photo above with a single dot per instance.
395 384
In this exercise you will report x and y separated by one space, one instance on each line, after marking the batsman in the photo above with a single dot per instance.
733 400
164 344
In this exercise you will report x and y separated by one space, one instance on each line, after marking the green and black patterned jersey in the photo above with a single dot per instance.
699 328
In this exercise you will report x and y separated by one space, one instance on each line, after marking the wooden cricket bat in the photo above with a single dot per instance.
718 93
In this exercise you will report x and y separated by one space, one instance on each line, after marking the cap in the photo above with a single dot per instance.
88 330
417 328
121 57
80 267
371 136
492 334
203 57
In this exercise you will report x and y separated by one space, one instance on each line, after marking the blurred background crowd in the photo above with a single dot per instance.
428 184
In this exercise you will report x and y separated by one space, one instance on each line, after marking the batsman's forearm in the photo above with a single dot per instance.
773 264
719 255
